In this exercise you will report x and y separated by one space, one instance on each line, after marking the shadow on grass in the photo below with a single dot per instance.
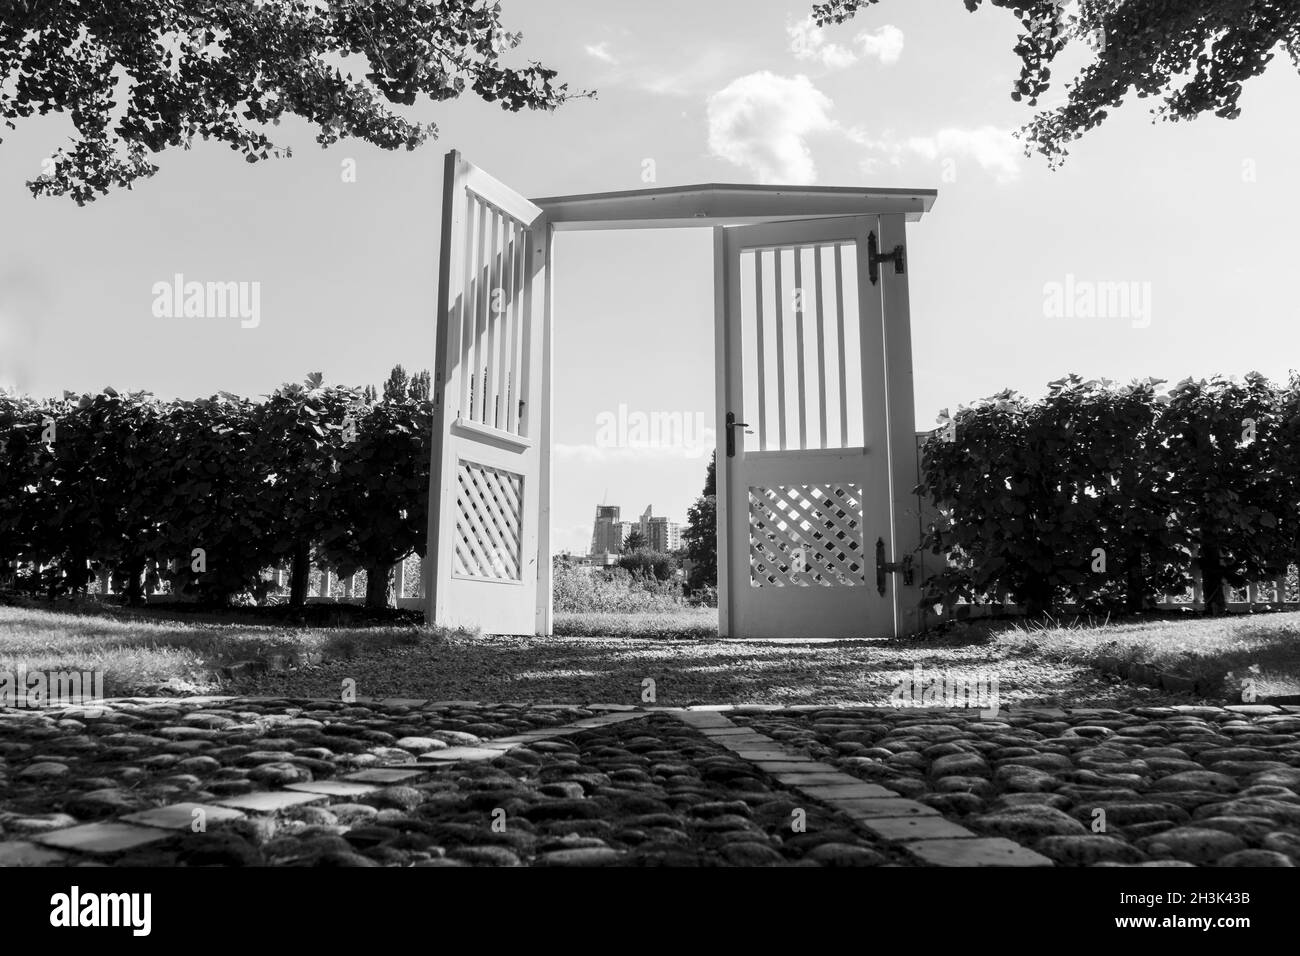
141 654
685 672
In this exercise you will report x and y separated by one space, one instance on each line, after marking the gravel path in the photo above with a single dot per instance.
590 669
646 792
1187 785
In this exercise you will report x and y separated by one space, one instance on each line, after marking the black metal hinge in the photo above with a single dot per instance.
884 567
875 257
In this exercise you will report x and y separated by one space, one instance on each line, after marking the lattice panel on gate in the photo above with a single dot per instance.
489 510
805 536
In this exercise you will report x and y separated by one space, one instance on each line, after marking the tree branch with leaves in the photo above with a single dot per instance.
137 77
1196 55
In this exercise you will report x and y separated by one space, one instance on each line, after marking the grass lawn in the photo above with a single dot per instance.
142 652
608 657
683 623
1264 647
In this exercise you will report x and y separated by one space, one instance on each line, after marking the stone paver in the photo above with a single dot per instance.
455 754
24 853
181 816
834 792
102 837
335 788
885 807
987 851
270 801
914 828
789 765
384 775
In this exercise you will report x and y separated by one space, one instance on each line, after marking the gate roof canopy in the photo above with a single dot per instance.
728 204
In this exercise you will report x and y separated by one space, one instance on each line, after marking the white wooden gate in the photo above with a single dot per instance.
808 514
806 496
487 486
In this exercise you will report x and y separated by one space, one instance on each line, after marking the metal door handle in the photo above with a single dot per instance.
731 436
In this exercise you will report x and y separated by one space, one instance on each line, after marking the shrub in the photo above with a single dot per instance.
586 589
649 564
1105 493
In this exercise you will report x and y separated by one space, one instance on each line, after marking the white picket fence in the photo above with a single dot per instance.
407 581
323 585
1281 594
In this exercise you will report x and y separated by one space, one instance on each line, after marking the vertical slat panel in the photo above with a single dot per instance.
839 323
758 337
820 314
491 319
799 312
780 349
480 309
516 264
526 330
503 327
467 311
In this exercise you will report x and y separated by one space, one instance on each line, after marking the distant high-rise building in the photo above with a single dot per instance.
662 534
607 532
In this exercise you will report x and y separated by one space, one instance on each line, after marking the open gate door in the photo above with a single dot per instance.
488 482
807 491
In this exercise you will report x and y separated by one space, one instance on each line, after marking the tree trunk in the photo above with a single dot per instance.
1035 597
300 575
377 585
1134 586
131 574
1212 580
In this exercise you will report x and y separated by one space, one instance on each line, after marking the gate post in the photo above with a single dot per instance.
900 408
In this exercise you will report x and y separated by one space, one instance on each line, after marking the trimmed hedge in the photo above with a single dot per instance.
207 494
1106 494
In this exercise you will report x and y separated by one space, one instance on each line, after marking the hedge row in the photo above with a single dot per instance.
207 494
1107 494
1100 493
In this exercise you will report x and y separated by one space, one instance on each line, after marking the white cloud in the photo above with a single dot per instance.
884 44
760 122
690 79
808 42
601 52
994 150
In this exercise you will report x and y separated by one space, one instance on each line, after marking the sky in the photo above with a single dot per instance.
1194 219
